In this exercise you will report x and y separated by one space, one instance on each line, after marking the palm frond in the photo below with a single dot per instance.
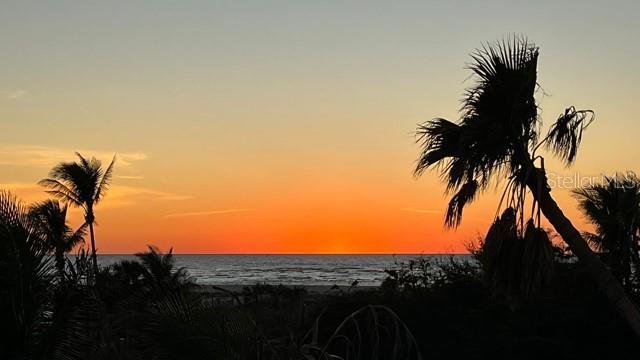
25 277
50 220
105 181
594 240
76 237
439 140
565 135
517 266
537 261
464 196
60 191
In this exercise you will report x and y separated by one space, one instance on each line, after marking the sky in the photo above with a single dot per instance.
287 126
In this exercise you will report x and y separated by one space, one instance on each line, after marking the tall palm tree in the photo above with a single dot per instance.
497 138
50 222
614 208
82 183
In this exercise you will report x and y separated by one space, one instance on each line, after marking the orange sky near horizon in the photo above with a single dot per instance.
287 127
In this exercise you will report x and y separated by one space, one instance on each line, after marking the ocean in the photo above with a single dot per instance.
341 270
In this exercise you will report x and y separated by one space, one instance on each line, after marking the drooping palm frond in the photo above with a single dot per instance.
516 266
497 249
537 261
61 191
439 139
565 135
464 196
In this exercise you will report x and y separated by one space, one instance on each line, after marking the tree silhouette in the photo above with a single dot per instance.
25 281
614 208
497 138
82 183
159 271
49 219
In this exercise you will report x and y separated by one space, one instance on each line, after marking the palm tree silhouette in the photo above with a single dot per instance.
497 138
159 270
25 276
82 183
614 208
50 222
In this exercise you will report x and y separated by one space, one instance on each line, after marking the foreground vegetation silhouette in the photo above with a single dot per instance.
613 207
498 137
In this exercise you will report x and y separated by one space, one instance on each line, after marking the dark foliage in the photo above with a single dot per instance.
613 207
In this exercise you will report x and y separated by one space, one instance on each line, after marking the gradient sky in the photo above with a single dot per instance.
286 126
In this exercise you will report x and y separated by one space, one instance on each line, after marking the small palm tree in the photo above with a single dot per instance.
614 208
497 138
50 222
82 183
159 270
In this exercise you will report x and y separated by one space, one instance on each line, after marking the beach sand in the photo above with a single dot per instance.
311 289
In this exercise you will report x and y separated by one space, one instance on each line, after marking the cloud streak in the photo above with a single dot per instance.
205 213
126 194
16 94
117 195
422 211
130 177
44 156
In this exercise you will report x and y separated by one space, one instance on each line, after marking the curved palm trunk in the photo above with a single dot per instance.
603 278
94 258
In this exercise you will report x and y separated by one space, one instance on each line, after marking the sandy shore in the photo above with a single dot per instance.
311 289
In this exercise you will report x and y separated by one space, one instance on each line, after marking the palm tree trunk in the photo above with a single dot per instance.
635 258
94 258
60 264
626 261
598 271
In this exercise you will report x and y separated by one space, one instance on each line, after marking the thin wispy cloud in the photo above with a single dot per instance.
16 94
117 195
118 192
44 156
440 212
130 177
422 211
205 213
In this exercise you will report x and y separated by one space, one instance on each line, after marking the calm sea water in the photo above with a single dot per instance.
286 269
